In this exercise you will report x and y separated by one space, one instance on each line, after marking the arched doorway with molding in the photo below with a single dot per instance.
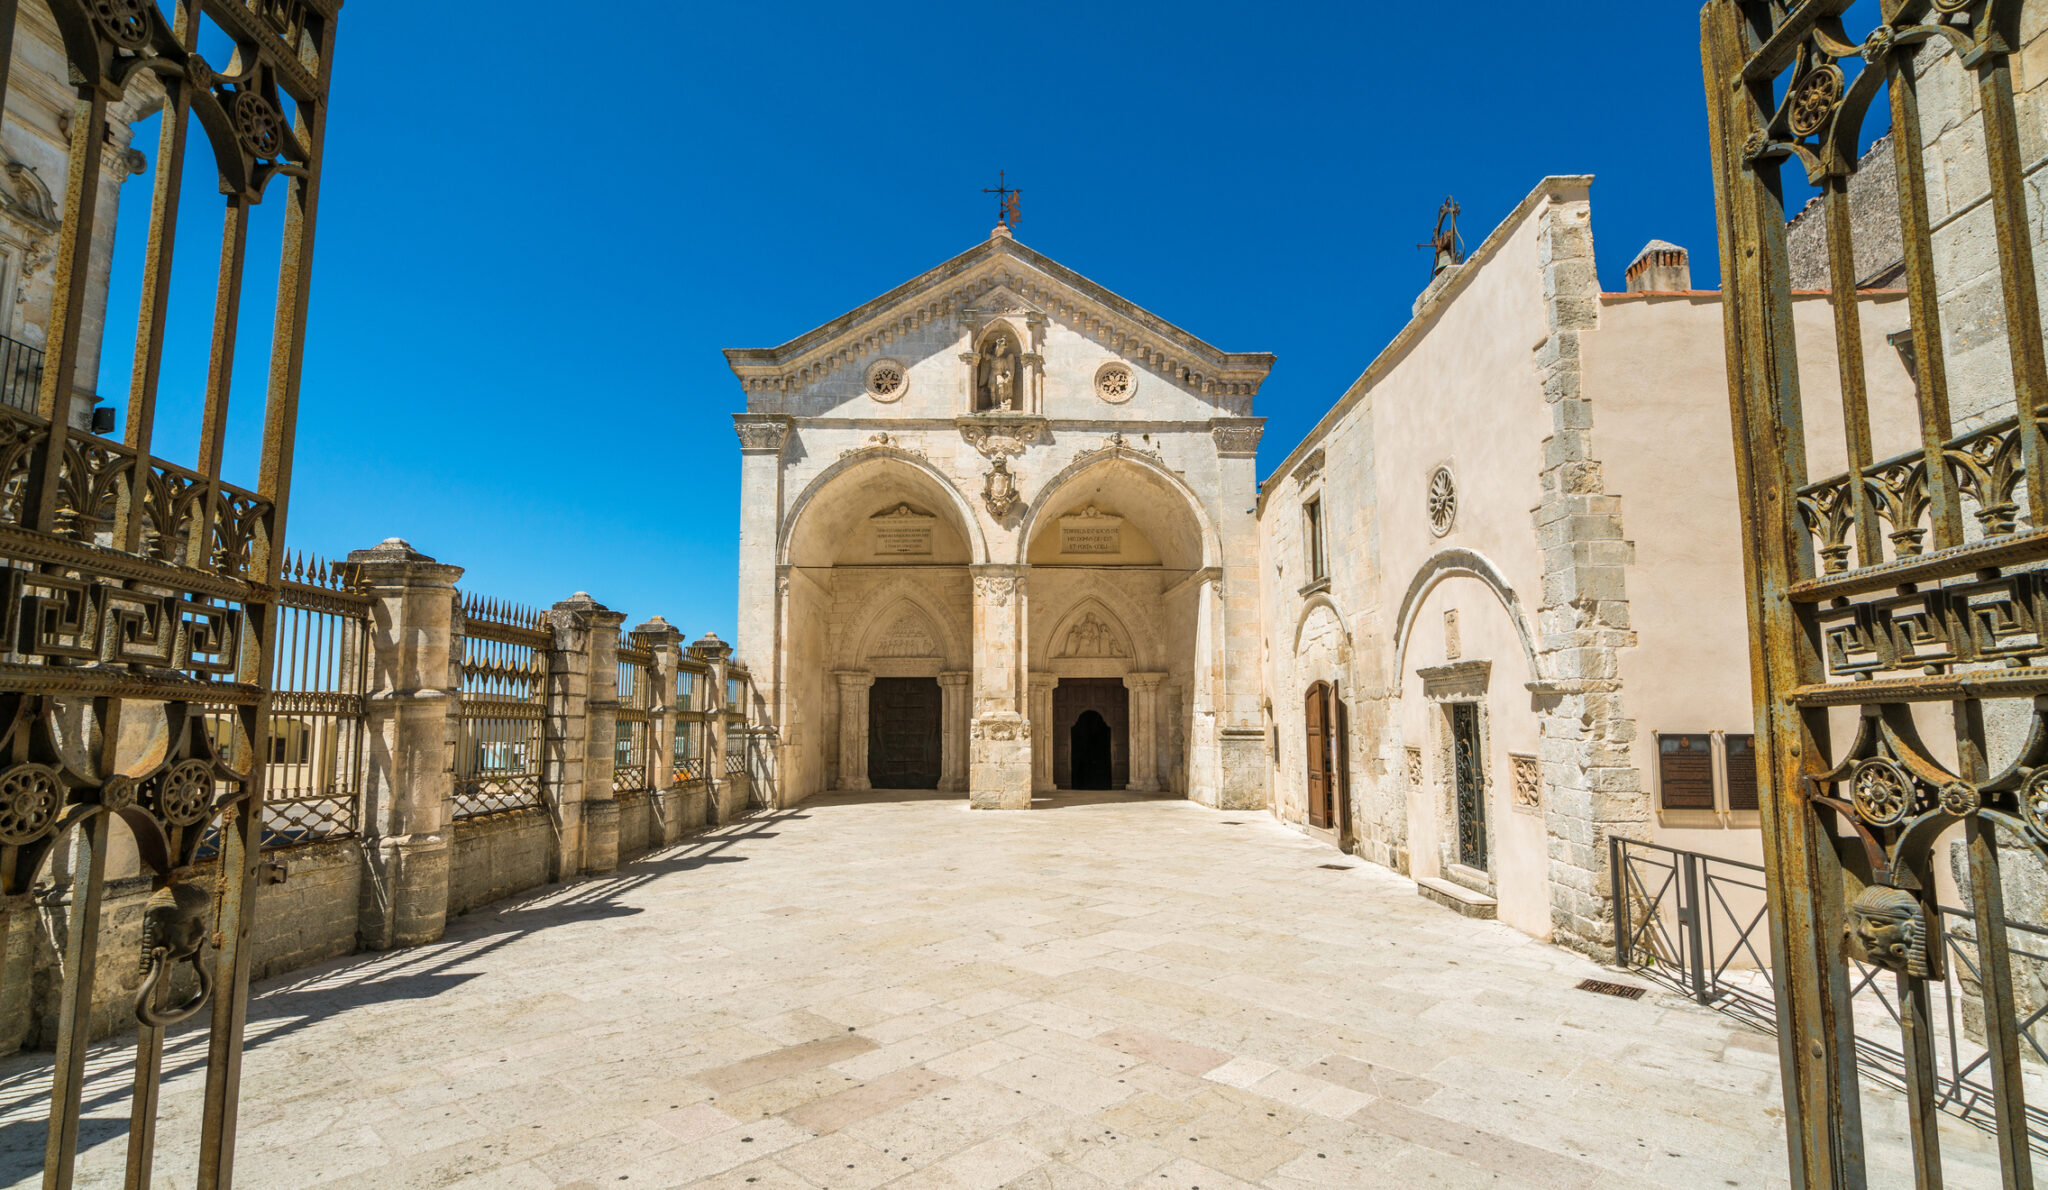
1120 667
875 623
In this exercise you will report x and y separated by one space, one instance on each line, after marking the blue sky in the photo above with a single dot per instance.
538 230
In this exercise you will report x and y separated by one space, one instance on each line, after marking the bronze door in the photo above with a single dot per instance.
1907 588
903 733
1110 700
1468 768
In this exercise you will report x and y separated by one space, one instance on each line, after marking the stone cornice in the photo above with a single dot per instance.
944 293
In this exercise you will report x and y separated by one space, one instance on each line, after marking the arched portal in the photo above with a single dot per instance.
1120 556
877 624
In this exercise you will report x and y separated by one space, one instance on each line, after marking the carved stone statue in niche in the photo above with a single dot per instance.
995 381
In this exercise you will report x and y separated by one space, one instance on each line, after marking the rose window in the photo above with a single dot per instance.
1114 382
1443 502
886 380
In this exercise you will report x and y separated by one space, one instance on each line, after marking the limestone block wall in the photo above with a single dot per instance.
499 855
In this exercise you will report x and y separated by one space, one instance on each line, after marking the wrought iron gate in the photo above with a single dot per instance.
1871 591
135 594
1469 776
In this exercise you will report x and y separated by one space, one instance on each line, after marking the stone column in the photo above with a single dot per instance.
1242 776
719 799
664 642
999 750
1042 685
600 753
953 691
1204 760
1144 688
410 712
566 730
853 727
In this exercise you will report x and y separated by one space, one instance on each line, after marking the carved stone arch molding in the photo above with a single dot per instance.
965 522
1340 662
1048 497
887 606
1460 563
1100 598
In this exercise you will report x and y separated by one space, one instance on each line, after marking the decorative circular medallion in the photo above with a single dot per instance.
182 793
1814 100
1443 501
1882 791
1115 382
886 380
1961 799
118 793
2034 803
257 124
1878 44
29 797
126 22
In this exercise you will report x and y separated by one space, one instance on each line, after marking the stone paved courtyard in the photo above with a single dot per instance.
895 990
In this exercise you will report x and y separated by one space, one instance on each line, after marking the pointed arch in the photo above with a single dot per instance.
1189 544
923 477
889 602
1091 630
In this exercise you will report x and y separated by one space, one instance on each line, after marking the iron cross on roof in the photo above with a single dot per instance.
1007 214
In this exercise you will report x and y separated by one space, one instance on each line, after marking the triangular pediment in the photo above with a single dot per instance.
1000 278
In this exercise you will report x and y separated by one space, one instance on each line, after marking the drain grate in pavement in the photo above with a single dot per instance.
1338 867
1610 989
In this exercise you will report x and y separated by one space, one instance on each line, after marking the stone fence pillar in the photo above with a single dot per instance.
722 792
600 747
566 729
410 713
663 642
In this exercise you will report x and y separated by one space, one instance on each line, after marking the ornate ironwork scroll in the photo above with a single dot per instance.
1910 587
136 594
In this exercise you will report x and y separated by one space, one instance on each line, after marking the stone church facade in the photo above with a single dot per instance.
996 538
1002 533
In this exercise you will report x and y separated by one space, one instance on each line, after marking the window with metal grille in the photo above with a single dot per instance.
1685 771
1739 757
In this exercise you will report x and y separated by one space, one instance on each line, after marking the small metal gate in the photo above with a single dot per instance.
1872 590
500 756
135 594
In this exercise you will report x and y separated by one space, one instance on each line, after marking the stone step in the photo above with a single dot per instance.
1457 898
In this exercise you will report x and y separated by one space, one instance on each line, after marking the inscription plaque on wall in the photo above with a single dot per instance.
1091 531
902 530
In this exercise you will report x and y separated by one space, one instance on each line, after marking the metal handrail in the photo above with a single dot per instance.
1679 920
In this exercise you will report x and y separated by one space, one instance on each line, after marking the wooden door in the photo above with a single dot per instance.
1315 710
903 733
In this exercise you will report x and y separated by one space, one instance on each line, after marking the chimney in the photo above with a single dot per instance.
1659 268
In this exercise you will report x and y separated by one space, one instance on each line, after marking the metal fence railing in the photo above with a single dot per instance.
504 707
631 761
1700 925
21 373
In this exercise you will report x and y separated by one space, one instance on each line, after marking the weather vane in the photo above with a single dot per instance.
1448 250
1006 200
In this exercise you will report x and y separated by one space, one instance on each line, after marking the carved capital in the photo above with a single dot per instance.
1237 435
761 433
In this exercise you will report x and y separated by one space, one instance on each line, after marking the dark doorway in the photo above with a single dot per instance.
1088 744
903 733
1110 703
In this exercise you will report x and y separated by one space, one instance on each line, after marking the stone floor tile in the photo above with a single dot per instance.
992 1163
840 1162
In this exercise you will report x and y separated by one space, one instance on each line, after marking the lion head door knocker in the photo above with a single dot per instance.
1889 928
173 931
1000 492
